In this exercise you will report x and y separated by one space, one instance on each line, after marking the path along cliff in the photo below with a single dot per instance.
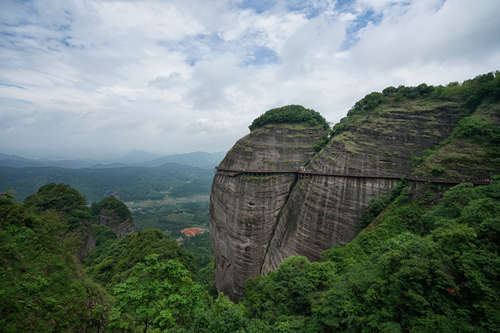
258 220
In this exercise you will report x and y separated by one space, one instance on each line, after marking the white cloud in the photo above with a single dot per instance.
97 77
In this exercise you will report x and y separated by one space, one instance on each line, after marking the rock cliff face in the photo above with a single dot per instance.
256 221
87 241
121 226
325 211
113 213
245 209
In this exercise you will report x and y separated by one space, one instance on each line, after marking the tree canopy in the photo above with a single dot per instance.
290 114
111 203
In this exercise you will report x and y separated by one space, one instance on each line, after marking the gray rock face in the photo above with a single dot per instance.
244 209
121 226
258 221
88 244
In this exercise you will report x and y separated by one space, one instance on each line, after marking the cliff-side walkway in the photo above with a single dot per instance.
302 173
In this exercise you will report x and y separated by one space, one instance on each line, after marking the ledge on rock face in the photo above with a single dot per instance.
113 213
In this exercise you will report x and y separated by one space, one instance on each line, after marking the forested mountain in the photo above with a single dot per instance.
129 183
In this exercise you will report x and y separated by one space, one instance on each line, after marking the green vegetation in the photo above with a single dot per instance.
424 267
427 258
470 94
62 199
377 205
471 152
426 261
110 203
171 217
112 262
158 294
290 114
42 287
477 130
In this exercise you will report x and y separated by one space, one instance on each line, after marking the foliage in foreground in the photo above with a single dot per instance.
113 262
42 288
425 267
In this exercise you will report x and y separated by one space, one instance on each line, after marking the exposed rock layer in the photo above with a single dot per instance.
257 221
121 226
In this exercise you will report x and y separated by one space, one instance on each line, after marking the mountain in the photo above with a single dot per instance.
108 165
136 157
129 183
70 164
195 159
15 161
258 219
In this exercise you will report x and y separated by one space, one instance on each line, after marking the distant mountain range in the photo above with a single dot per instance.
136 158
129 183
196 159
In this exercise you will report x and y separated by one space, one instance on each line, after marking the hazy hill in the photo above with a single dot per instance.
135 158
15 161
196 159
128 183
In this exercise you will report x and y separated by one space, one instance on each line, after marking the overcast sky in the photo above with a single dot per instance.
82 79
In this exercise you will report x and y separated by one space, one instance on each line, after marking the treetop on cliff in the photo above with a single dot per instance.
113 204
289 114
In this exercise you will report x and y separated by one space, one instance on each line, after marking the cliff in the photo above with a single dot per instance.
258 220
244 209
70 207
325 211
113 213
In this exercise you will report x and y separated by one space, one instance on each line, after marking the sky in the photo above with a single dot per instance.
96 79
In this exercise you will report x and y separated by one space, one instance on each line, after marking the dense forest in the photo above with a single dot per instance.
429 261
427 257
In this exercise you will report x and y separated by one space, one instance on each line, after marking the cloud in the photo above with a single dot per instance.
104 77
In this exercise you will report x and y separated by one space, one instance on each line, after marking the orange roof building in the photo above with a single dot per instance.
190 232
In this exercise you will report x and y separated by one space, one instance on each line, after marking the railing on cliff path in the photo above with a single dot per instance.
302 173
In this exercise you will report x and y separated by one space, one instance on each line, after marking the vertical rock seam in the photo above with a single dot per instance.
277 220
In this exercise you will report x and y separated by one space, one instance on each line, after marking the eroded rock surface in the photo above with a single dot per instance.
244 209
121 226
113 213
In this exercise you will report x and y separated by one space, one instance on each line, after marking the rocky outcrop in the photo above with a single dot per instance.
244 209
113 213
121 226
257 221
86 239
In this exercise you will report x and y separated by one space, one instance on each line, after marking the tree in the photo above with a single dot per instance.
156 295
